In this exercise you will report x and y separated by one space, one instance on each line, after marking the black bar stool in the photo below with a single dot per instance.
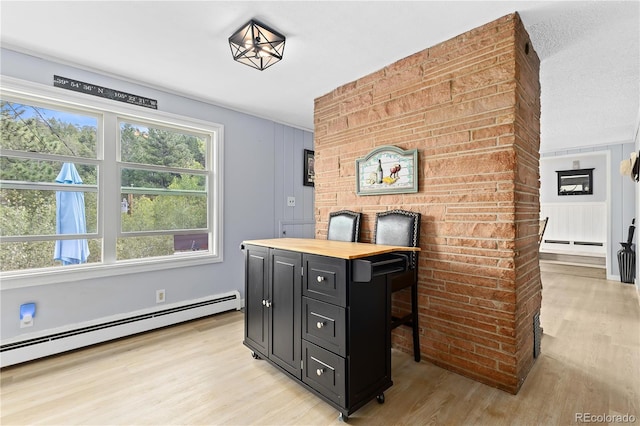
402 228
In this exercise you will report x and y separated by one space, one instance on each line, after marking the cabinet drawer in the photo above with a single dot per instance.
324 324
325 279
325 372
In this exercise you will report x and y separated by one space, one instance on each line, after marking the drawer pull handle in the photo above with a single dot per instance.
320 371
264 302
268 304
320 324
321 278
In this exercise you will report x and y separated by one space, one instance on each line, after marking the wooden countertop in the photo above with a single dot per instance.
339 249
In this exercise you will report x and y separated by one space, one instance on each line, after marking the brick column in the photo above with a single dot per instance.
470 106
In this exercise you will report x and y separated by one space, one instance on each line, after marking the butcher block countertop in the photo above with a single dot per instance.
339 249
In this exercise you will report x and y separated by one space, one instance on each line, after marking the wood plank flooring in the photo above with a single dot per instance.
573 269
588 260
199 373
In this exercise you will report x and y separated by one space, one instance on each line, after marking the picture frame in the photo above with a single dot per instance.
309 174
575 182
387 170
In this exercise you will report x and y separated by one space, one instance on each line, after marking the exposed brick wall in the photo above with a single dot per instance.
470 106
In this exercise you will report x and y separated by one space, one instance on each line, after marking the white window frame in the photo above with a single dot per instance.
108 157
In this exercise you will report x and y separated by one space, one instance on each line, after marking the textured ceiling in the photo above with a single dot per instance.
589 51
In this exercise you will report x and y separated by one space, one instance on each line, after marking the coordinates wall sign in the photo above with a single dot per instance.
103 92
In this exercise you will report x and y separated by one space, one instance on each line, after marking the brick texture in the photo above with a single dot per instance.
471 108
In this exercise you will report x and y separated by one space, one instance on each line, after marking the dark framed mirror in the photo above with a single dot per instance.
575 182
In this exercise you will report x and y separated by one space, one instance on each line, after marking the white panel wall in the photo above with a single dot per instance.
575 223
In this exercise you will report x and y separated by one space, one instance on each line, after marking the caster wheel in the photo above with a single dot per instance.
343 418
380 398
255 355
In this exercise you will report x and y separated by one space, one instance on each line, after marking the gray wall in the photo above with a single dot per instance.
548 177
621 191
262 166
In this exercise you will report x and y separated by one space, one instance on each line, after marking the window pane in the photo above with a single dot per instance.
141 247
33 212
18 169
134 178
160 245
39 254
34 128
161 147
158 201
191 242
163 212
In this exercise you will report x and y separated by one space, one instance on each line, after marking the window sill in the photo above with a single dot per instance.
84 272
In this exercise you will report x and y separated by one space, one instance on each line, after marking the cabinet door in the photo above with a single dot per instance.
256 296
285 313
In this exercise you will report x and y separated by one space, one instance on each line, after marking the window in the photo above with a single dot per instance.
163 176
96 186
37 143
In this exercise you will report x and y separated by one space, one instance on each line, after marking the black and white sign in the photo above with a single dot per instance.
103 92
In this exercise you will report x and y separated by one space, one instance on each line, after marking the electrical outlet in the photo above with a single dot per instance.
291 201
160 296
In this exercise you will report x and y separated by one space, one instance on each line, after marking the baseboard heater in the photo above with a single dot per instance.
21 350
575 243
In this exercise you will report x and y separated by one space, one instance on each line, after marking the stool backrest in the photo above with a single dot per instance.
399 228
344 225
541 228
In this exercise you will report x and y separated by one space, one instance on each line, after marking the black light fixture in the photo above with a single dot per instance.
257 45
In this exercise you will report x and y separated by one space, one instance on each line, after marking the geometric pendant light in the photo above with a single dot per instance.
257 45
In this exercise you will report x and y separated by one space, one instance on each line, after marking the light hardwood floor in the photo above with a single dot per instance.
199 373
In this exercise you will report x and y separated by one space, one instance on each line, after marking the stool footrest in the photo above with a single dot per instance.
405 320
